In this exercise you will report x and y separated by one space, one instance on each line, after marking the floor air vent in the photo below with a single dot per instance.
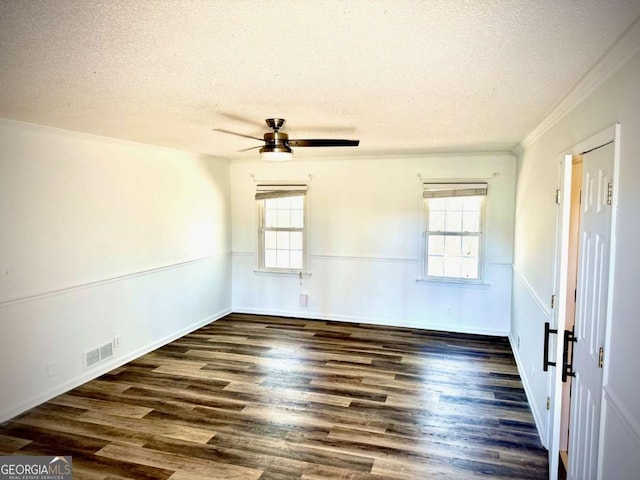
97 355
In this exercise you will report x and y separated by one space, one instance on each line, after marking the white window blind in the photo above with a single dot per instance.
440 190
264 192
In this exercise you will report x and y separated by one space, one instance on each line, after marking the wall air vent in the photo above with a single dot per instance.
106 351
98 355
92 357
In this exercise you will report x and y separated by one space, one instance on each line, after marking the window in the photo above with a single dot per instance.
282 234
453 237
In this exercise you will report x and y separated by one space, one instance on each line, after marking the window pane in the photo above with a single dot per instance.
453 267
296 259
470 246
436 245
436 221
297 203
283 203
297 218
435 266
452 246
282 240
453 221
270 258
284 218
454 203
295 240
472 203
270 218
270 240
271 203
471 222
282 258
437 203
470 268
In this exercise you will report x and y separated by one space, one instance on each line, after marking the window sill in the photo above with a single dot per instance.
282 273
453 282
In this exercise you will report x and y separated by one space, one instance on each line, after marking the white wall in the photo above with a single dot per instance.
98 238
615 100
366 222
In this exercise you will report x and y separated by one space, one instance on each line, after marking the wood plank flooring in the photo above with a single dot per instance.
270 398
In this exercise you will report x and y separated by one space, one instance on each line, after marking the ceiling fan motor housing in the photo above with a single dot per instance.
276 142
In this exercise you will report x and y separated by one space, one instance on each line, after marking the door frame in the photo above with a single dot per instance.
610 134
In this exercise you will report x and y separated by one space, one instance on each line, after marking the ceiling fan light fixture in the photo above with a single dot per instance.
276 153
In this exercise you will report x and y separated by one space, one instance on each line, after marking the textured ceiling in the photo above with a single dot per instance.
402 76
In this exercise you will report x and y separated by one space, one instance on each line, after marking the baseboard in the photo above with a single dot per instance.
540 424
115 363
370 320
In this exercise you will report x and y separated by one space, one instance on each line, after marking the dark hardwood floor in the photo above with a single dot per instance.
268 398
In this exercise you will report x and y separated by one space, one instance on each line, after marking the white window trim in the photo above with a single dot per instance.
471 282
260 268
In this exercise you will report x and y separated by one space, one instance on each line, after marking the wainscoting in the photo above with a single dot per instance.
259 397
376 290
145 309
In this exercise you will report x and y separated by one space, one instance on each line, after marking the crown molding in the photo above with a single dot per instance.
613 59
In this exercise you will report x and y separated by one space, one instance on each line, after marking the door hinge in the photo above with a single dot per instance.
558 197
553 301
601 358
548 403
609 193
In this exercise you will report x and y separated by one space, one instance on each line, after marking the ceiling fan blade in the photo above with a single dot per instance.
239 118
326 129
323 142
237 134
250 148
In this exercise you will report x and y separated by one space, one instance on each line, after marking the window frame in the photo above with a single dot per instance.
481 234
262 228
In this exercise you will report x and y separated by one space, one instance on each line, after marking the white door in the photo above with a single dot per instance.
591 312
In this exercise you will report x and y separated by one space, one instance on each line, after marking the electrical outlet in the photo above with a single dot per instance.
116 341
449 311
51 369
518 341
304 299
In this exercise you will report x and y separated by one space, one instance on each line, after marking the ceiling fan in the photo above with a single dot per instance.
277 145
